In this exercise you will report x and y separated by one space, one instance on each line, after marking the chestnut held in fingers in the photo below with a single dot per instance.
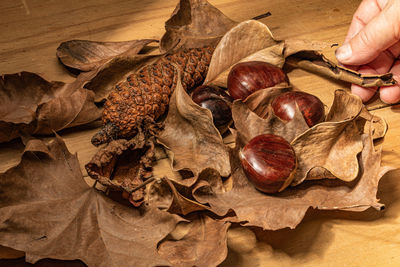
284 106
247 77
269 162
217 101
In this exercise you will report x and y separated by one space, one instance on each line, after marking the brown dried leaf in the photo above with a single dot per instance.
48 211
192 137
345 106
67 111
87 55
287 209
249 40
369 122
103 79
173 197
194 23
250 125
205 244
33 105
365 120
260 100
332 145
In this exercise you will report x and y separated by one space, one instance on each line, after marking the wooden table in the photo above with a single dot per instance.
31 30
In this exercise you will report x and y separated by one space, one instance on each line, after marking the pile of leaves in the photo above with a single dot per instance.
48 211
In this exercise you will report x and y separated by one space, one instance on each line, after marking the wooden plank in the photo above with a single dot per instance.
30 31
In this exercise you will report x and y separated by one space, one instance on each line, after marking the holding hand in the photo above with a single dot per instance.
372 46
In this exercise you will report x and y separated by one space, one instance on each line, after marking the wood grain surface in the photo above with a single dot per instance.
31 30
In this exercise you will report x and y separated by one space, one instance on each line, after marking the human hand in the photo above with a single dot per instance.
372 46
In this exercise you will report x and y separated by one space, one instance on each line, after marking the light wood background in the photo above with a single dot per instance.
31 30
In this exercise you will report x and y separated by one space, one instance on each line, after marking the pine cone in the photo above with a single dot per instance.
144 96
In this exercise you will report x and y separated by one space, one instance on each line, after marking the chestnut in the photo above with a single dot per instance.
217 101
284 106
247 77
269 162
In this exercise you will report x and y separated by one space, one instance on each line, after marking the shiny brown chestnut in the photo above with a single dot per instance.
217 101
247 77
284 106
269 162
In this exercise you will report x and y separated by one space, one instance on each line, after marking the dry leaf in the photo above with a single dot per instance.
286 209
194 23
105 63
87 55
173 197
48 211
240 44
192 137
33 105
103 79
332 145
345 106
205 244
260 100
250 125
369 122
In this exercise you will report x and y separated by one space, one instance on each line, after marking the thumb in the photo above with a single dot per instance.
379 34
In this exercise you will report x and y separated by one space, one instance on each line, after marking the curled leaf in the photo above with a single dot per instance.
260 100
87 55
205 244
173 197
331 145
249 40
192 137
48 211
32 105
250 125
103 79
194 23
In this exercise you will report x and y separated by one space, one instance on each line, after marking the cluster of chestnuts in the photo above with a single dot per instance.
268 160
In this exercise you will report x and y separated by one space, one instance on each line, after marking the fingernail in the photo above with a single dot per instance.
344 52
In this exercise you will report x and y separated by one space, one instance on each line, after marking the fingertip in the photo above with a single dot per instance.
364 93
390 94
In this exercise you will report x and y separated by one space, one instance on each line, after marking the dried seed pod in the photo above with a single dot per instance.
144 96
